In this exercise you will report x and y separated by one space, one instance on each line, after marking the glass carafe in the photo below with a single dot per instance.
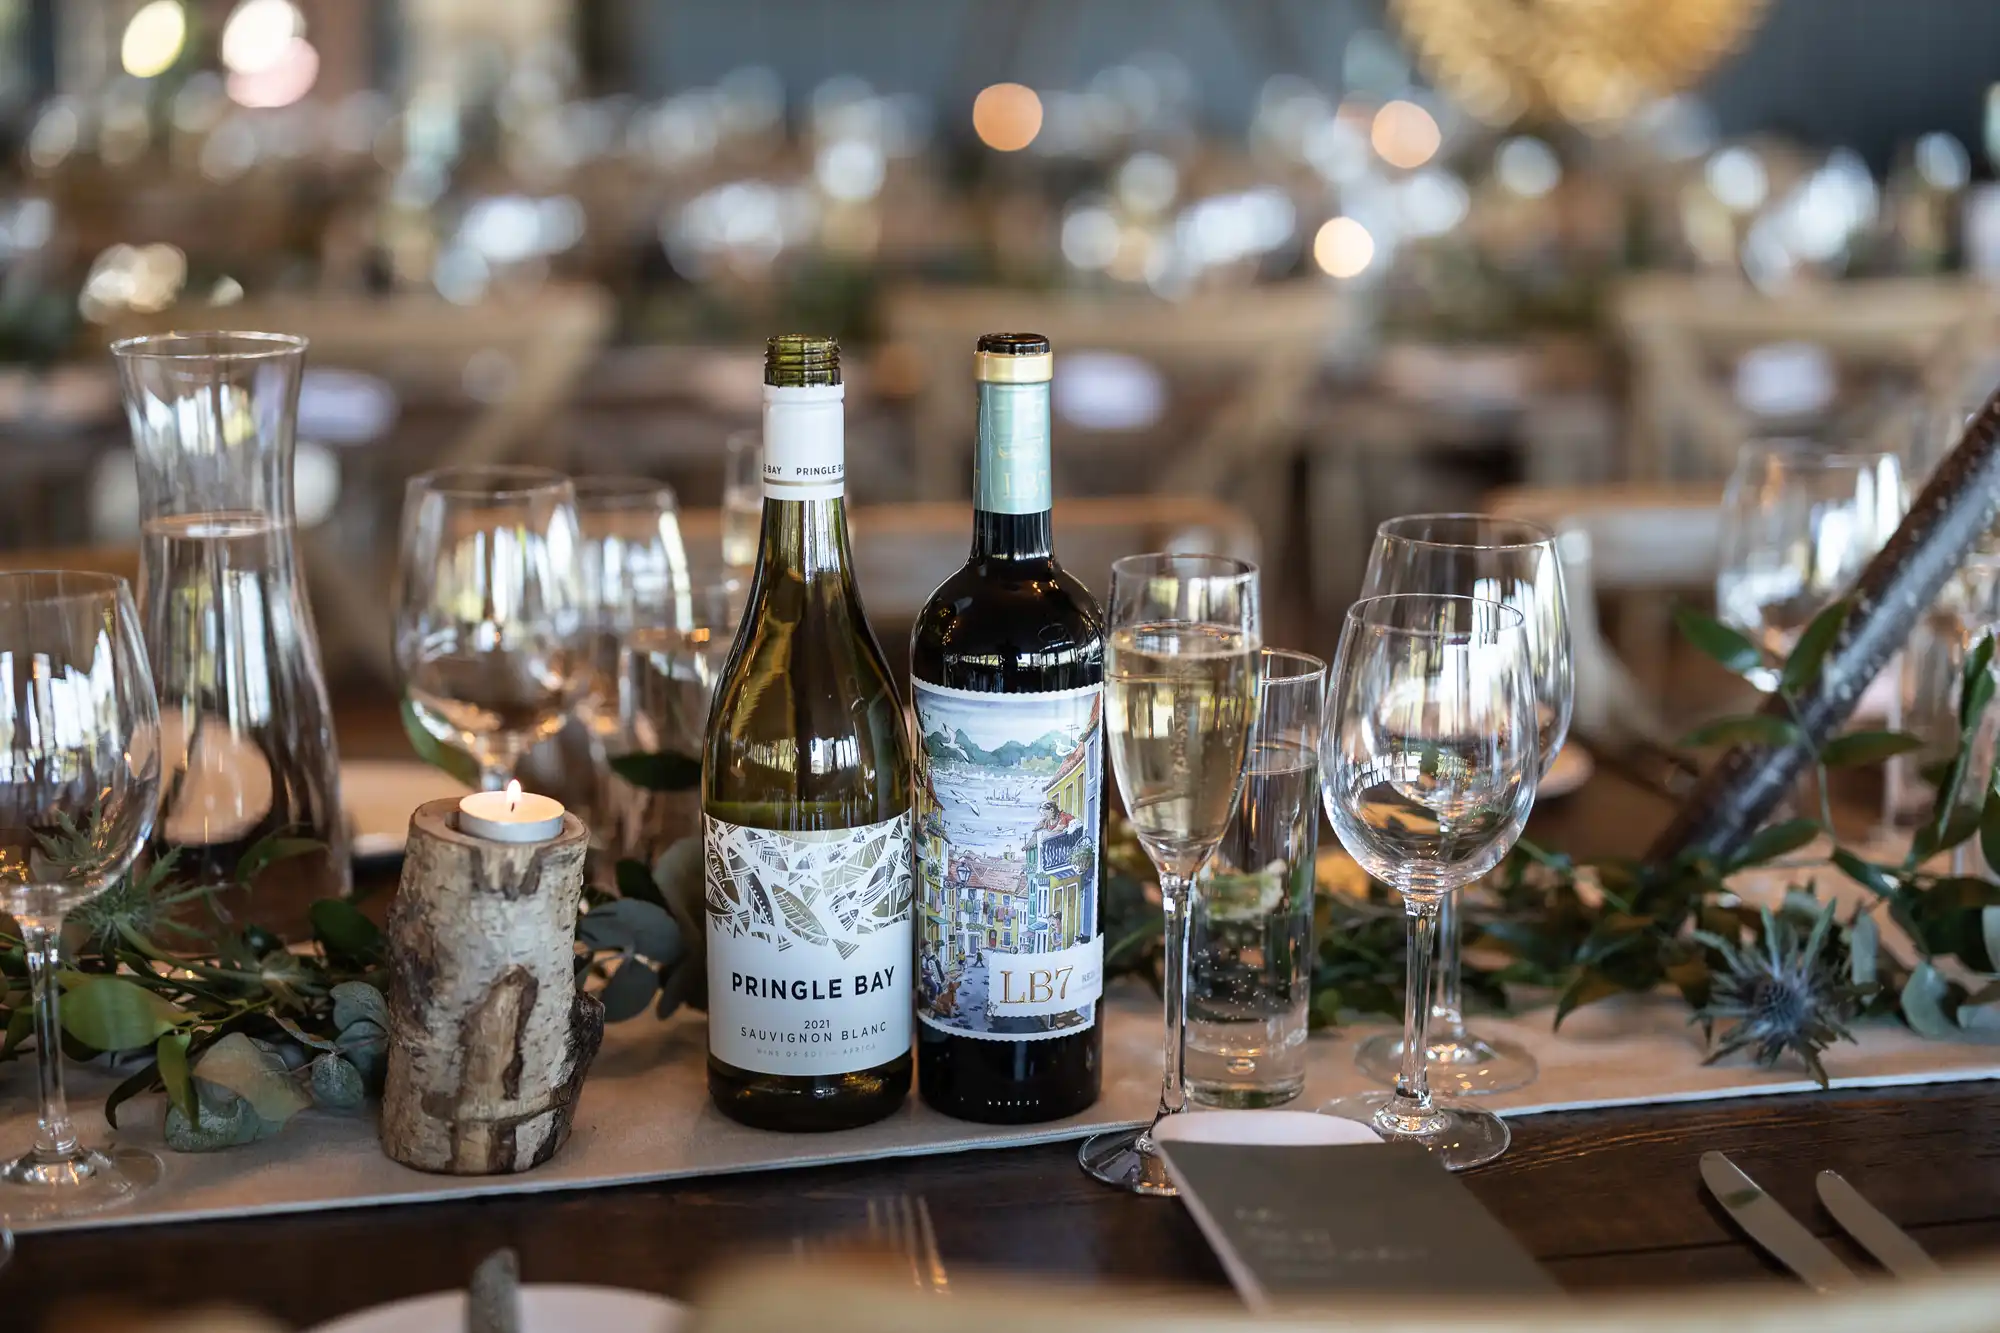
246 730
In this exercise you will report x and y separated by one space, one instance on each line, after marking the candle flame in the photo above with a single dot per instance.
513 795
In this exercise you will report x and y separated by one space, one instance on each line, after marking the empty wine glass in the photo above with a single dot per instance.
489 627
1798 523
742 507
1180 676
1515 563
1429 764
79 789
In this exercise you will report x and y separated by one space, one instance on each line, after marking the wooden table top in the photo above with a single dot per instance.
1605 1199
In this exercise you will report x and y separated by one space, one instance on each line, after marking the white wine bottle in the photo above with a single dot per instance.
805 793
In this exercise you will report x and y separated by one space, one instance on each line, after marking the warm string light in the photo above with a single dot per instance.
1007 116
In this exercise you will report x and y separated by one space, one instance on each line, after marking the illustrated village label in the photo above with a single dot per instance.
1008 793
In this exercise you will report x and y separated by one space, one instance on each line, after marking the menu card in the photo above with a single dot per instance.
1292 1223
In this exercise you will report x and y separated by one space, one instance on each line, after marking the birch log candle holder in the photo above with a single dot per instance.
490 1034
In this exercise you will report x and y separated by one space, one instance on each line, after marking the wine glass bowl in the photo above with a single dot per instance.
1515 563
489 627
1429 763
1181 667
80 753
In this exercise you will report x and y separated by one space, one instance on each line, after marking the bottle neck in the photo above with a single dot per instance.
804 540
1010 474
804 531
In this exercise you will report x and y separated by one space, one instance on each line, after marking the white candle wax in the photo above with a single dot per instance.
510 816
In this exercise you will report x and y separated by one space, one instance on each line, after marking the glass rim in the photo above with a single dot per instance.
621 489
532 481
1804 446
1267 656
1545 536
1512 621
95 584
1228 568
209 345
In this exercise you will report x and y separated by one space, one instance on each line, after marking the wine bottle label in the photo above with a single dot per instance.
1008 792
1012 466
805 455
808 946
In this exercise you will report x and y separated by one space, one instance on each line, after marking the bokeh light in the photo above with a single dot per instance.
1343 248
259 34
1007 116
153 39
1405 135
279 84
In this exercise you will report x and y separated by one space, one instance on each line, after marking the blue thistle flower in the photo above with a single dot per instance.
1790 994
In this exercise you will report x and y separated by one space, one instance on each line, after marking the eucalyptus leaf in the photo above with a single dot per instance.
1715 640
1926 1004
658 770
629 991
222 1120
1864 941
1857 749
337 1084
1746 729
436 753
113 1014
1803 663
366 1046
357 1001
257 1076
634 926
636 882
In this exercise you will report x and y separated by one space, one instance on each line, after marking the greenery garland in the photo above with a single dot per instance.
242 1030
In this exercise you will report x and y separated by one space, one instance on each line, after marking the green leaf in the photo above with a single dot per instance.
1868 876
1864 941
260 1078
336 1084
223 1120
1859 748
629 991
658 770
142 1080
357 1001
1928 1005
1774 841
633 926
456 763
1975 689
1802 666
366 1046
113 1014
172 1055
1589 987
636 882
344 931
270 850
1715 640
1989 830
1746 729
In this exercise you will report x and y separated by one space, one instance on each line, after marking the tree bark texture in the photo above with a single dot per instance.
489 1034
1954 509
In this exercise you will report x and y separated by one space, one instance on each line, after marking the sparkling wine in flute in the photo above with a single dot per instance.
1182 698
806 802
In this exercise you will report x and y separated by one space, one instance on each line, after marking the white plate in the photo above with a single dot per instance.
380 794
1572 768
1275 1128
546 1307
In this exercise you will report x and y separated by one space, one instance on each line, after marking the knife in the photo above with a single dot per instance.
1872 1227
1767 1222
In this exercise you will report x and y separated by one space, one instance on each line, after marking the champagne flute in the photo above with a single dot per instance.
79 790
489 628
1515 563
1429 764
1181 663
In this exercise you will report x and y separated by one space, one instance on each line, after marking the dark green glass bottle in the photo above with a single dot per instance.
1007 667
806 802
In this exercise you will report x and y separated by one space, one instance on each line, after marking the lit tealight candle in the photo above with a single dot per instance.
510 816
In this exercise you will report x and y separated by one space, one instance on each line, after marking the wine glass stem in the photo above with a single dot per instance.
1448 1010
494 776
55 1136
1413 1085
1176 903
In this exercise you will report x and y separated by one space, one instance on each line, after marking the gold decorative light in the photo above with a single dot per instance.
1589 62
